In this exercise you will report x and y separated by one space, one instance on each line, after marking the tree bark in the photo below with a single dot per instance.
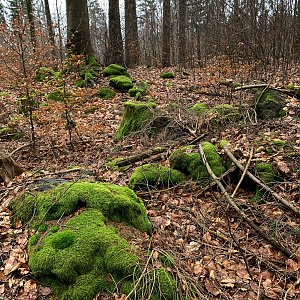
166 38
78 32
49 23
30 16
182 32
115 44
132 50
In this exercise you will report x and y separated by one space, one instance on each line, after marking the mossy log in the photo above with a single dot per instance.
9 169
135 116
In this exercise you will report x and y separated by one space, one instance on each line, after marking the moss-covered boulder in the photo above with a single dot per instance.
166 75
119 204
115 70
154 175
265 173
122 83
106 93
269 104
77 258
188 161
87 77
135 116
226 112
138 90
199 109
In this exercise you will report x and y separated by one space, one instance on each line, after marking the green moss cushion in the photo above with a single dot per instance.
139 89
154 175
188 160
199 109
167 75
115 70
106 93
122 83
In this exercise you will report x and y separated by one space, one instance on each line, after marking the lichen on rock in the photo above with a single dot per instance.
188 160
135 116
154 175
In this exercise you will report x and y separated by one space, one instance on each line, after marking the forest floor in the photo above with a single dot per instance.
215 251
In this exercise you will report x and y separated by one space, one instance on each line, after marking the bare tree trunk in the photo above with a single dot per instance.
132 49
115 44
166 46
78 32
49 23
31 22
182 32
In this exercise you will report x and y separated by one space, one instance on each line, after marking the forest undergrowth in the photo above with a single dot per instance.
217 255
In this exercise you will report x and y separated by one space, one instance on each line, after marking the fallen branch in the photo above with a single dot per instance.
45 173
259 182
272 242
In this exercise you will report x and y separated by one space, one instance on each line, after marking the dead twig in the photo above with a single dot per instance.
272 242
285 202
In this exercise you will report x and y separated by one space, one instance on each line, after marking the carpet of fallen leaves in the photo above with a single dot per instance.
216 253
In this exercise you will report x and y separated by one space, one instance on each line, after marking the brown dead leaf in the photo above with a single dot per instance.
2 288
207 237
45 291
197 268
228 282
282 167
211 288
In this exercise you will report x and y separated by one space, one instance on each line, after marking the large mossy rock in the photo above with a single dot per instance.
122 83
138 90
154 175
135 116
188 161
115 70
119 204
79 255
269 104
227 112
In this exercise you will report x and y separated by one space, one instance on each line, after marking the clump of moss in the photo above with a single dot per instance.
117 203
47 73
106 93
226 111
167 75
43 228
154 175
135 116
138 90
166 284
10 133
58 95
115 70
122 83
279 143
269 104
189 161
267 174
81 256
88 77
199 109
294 87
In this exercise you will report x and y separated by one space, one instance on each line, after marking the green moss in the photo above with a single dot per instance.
10 133
115 70
279 143
34 240
294 87
106 93
199 109
167 260
266 174
122 83
268 104
117 203
138 90
54 228
167 75
188 161
80 256
135 116
224 143
58 95
166 284
154 175
88 77
47 73
227 111
43 228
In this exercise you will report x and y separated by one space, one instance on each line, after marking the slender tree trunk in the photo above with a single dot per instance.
132 50
115 44
78 32
49 23
298 31
166 46
182 32
30 16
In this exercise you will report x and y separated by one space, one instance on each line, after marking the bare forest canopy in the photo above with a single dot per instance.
264 31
